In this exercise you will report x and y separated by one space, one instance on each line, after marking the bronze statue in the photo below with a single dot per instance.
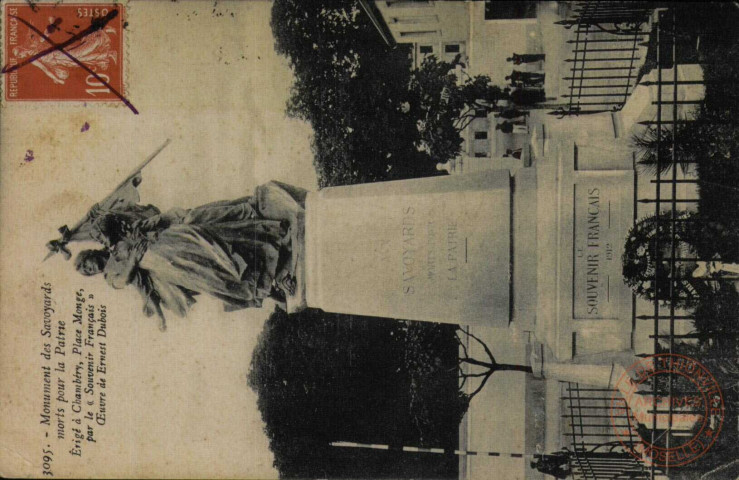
239 251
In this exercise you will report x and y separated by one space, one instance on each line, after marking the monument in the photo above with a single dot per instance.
540 247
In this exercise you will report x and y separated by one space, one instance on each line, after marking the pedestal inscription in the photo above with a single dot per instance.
602 214
433 249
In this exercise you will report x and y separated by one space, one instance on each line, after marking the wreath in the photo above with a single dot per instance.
646 266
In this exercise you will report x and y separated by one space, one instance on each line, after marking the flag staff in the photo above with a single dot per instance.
60 245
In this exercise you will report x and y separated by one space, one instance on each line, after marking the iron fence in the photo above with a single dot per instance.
666 200
591 417
595 450
605 55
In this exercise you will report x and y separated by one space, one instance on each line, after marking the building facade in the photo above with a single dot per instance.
484 35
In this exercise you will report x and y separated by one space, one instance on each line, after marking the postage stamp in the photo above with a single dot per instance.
687 411
63 52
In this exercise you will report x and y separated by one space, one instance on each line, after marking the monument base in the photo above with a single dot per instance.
540 250
435 249
584 214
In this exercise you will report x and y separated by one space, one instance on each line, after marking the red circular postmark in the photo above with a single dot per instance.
682 420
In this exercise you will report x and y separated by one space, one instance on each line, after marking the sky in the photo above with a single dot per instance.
205 75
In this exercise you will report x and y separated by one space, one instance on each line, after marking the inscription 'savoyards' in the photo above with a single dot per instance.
409 251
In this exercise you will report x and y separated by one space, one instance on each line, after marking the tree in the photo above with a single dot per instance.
374 118
470 368
421 362
704 138
325 377
348 86
448 100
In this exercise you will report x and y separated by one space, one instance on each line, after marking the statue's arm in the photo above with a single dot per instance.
161 221
221 212
123 263
278 201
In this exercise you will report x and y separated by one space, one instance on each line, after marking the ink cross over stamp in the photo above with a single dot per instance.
63 52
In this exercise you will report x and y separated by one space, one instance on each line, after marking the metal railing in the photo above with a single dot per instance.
671 260
605 55
667 210
591 416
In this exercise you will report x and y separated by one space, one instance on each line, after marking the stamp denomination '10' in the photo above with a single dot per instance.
63 52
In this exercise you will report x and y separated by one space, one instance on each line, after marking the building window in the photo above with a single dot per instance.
509 10
481 113
481 135
416 19
407 3
426 49
481 154
420 33
451 48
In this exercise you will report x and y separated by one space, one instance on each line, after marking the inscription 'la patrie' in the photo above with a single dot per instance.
452 244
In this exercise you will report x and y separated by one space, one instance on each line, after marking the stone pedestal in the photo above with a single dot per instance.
435 249
540 250
584 214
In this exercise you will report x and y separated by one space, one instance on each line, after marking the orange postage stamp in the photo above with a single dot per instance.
63 52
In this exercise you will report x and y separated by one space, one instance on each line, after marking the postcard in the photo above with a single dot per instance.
369 239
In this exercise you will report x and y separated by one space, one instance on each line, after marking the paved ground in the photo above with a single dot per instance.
495 421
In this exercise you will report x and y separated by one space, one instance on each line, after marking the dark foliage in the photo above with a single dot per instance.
645 261
718 170
348 86
322 378
717 317
373 117
722 360
708 32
